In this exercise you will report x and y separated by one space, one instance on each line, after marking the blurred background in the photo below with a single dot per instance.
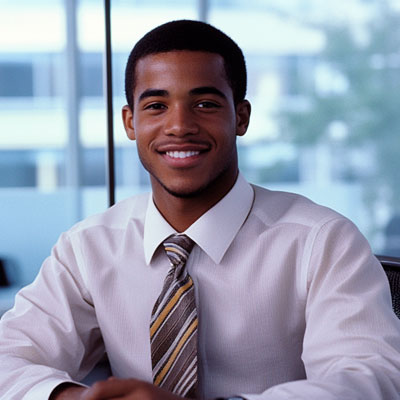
324 83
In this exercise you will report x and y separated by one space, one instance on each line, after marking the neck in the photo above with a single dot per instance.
181 212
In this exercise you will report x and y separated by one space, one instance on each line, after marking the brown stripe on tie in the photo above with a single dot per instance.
175 377
173 329
169 328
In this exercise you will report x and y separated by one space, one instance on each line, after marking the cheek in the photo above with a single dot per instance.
145 144
227 136
141 145
142 130
146 127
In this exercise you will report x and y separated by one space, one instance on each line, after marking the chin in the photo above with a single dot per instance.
184 194
190 188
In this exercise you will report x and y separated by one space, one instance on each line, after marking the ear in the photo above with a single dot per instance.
127 119
243 110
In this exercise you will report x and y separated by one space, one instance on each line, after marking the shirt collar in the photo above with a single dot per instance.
214 231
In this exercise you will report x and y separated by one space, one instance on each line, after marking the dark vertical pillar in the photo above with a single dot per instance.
109 99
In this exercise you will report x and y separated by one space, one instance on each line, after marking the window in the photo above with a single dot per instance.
16 79
324 79
51 170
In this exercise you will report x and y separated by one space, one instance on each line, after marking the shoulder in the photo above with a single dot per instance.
117 217
278 207
320 236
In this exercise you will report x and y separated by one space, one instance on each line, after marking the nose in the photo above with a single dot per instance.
180 121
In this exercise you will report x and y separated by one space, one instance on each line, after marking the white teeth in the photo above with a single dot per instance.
182 154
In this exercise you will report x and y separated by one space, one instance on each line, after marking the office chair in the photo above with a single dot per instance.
4 282
391 265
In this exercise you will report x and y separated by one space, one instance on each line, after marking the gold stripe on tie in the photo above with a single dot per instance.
173 328
168 308
171 359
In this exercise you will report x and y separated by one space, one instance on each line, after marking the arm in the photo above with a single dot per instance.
42 343
351 346
129 389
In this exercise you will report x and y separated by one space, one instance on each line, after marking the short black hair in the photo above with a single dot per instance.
193 36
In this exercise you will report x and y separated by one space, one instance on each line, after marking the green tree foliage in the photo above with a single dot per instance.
364 95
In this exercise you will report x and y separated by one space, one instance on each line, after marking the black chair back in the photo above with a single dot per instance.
3 276
391 265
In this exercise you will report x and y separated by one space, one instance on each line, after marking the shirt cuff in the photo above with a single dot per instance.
43 389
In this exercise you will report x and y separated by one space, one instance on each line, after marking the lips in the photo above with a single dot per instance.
183 154
182 150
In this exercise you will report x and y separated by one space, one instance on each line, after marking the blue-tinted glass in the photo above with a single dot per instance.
16 79
51 170
324 78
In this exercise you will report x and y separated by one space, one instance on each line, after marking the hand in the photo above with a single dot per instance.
128 389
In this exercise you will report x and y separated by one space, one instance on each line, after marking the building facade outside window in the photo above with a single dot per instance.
324 79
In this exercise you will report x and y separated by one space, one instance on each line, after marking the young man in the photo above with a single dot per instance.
281 298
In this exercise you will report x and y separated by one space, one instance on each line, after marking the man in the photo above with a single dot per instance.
288 300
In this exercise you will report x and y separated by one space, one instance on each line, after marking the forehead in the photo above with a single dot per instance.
179 69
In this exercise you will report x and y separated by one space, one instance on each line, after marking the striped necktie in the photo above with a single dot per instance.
173 329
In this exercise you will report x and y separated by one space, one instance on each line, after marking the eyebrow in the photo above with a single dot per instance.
196 91
208 90
153 93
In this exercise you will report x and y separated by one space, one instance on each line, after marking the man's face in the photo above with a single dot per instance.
185 122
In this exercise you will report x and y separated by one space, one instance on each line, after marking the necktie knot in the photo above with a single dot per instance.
178 248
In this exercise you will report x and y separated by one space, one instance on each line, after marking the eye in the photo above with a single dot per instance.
208 104
155 106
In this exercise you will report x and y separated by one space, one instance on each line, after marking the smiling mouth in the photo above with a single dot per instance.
182 154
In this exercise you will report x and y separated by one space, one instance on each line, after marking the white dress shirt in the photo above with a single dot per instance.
292 304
